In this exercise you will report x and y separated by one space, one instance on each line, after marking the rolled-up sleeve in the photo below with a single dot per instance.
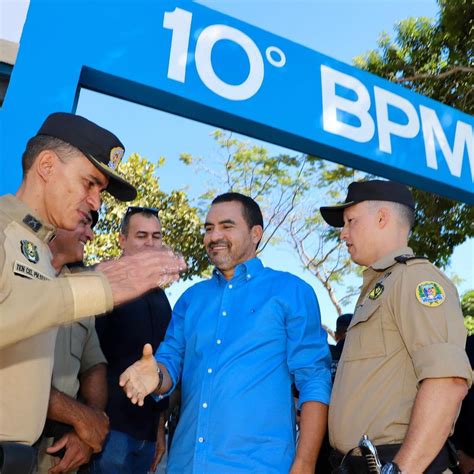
434 335
309 358
34 306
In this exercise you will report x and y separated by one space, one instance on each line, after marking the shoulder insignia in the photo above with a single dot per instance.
30 251
430 293
376 291
33 223
406 258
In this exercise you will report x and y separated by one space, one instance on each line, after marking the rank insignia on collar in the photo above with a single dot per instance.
430 293
33 223
30 251
376 291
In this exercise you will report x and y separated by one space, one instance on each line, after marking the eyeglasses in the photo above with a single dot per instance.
131 210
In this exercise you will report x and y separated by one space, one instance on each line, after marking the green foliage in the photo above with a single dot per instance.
469 323
467 305
434 58
180 221
440 225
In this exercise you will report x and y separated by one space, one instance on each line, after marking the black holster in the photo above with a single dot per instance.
16 458
351 464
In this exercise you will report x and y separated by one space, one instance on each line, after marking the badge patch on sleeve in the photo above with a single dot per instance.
30 251
376 291
430 293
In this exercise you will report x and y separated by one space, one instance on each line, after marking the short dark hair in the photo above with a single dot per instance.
147 212
251 210
39 143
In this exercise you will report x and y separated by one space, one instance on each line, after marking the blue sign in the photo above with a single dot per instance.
186 59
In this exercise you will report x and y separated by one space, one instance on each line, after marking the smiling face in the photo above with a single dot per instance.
68 245
360 233
228 240
72 188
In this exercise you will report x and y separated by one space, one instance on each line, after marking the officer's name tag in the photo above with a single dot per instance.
20 268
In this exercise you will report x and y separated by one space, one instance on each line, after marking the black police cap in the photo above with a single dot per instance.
359 191
101 147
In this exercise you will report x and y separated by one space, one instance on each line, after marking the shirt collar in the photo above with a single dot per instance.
18 211
388 260
247 270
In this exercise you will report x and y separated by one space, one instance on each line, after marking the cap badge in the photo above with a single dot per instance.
30 251
116 155
430 293
376 291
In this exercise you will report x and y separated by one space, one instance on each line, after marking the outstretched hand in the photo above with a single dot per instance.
141 378
133 275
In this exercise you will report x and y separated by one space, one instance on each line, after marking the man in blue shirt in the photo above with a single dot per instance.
237 342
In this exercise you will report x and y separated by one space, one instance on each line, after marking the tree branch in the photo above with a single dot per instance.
449 72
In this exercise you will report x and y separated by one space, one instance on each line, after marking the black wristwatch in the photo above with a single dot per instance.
390 468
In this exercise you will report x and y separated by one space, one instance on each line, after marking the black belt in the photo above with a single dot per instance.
357 464
16 458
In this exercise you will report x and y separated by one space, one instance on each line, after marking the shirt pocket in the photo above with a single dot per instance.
79 332
365 338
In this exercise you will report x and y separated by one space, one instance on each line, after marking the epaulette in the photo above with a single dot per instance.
407 257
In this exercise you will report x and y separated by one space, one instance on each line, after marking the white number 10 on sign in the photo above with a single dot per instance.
179 21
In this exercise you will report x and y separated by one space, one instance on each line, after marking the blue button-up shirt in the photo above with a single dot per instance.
237 346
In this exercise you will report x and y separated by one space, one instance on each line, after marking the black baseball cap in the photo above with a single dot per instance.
101 147
359 191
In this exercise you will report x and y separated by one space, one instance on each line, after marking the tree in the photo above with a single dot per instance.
289 189
467 305
317 245
434 58
180 221
276 182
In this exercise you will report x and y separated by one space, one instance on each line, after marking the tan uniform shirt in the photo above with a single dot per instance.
407 327
32 301
77 350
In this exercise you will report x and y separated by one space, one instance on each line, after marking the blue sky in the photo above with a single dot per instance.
340 29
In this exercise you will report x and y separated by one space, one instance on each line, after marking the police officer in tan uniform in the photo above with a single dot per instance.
65 168
75 428
403 371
